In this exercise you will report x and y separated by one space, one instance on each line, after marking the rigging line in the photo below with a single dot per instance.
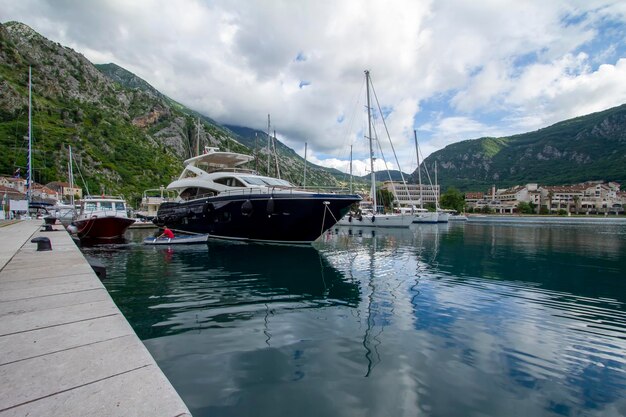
352 120
428 175
323 220
82 178
388 136
382 155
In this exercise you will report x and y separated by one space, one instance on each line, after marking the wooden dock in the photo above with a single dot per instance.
65 348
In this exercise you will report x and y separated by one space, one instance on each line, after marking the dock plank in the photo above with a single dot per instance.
66 348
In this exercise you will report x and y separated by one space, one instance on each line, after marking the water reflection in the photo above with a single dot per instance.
434 320
165 290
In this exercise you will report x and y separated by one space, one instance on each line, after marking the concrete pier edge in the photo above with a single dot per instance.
66 348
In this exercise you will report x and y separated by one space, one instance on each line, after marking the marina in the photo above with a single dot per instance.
221 268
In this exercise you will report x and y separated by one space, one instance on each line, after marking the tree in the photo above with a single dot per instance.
550 196
524 208
453 199
576 203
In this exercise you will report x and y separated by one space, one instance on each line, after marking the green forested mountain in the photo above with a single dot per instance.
125 135
591 147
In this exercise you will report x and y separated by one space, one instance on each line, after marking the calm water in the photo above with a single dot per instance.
450 320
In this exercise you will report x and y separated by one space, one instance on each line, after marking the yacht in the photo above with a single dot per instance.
101 218
219 197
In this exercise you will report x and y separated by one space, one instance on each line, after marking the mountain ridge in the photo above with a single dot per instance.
584 148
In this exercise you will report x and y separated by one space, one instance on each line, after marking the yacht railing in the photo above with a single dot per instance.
273 190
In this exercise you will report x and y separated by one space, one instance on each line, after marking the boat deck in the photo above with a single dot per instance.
66 348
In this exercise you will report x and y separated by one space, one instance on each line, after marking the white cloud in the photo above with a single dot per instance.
500 67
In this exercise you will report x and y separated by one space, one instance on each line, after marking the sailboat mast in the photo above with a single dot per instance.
369 127
269 145
435 191
30 140
304 181
276 156
71 175
256 152
198 137
350 169
419 170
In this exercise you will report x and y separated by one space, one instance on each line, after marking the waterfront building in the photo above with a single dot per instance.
17 184
409 195
594 197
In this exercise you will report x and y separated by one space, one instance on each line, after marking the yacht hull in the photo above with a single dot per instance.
279 218
109 227
379 220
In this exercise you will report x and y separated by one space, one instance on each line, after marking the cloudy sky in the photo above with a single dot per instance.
451 69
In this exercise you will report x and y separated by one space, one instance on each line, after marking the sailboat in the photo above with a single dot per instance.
424 216
371 217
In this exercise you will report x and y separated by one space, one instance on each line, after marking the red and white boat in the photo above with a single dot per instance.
101 218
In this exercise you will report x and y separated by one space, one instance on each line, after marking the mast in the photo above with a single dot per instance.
350 169
435 191
369 127
256 152
304 182
419 171
29 180
276 156
71 175
269 145
198 137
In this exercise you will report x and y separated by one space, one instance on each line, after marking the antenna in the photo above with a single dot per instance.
269 145
276 156
304 182
30 141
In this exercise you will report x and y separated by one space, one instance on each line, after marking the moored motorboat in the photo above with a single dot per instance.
101 218
216 196
177 240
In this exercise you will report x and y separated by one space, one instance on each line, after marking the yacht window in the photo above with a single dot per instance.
254 180
196 192
188 193
267 181
230 182
276 182
119 206
90 206
205 192
106 205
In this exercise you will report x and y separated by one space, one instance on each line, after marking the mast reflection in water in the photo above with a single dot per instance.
436 320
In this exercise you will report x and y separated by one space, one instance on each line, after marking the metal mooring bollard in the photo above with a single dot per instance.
43 243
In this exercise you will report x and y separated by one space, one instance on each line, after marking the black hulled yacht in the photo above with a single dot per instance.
216 195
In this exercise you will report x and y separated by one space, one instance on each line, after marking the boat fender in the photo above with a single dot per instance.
350 218
360 218
247 208
373 219
208 208
270 207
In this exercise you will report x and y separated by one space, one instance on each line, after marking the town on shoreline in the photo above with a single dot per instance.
590 198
